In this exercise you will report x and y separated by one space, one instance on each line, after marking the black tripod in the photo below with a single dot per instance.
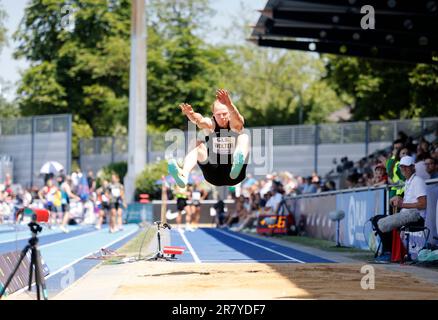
160 254
35 262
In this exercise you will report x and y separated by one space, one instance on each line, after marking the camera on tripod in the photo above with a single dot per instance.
167 253
35 216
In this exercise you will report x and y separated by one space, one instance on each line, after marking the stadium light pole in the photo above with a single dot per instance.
137 98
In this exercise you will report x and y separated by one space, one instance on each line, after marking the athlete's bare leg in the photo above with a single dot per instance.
199 153
240 154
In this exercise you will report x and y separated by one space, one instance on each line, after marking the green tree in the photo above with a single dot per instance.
78 65
280 87
181 66
385 90
84 69
7 109
3 17
274 86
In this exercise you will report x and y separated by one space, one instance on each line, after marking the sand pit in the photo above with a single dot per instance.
227 281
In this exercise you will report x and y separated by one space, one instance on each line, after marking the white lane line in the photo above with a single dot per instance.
24 235
260 246
68 239
189 246
76 261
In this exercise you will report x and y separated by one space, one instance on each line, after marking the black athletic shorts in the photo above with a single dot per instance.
219 174
196 203
181 203
65 207
115 205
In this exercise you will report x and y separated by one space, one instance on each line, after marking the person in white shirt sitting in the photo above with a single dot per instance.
412 205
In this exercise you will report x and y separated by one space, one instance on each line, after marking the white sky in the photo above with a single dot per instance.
226 11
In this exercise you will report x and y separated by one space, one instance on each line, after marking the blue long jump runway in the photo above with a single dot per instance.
221 246
61 251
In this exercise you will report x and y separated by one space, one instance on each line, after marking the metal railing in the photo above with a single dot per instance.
332 133
41 124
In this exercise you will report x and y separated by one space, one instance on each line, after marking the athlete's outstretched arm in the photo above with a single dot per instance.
236 119
196 118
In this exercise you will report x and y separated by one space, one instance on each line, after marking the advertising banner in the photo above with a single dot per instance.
417 239
311 216
8 261
268 224
359 207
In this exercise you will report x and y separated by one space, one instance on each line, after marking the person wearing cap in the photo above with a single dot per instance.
412 205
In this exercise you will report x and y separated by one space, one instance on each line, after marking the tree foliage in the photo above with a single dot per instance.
272 87
2 27
83 70
385 90
181 66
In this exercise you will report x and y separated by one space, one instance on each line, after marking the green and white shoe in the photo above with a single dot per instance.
177 174
238 162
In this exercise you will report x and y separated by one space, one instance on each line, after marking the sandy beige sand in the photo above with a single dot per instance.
166 280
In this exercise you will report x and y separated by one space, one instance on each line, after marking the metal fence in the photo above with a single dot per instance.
315 146
31 141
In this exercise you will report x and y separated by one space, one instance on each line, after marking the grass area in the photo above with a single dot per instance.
132 248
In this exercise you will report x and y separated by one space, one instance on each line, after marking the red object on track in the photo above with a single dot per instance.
173 250
42 215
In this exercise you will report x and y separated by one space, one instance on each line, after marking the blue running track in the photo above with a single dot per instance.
66 254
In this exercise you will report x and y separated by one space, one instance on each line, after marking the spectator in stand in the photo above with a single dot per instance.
238 214
403 137
351 181
392 166
361 182
265 199
380 177
420 166
250 218
309 186
434 154
316 184
277 195
423 146
267 185
405 152
431 167
290 184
